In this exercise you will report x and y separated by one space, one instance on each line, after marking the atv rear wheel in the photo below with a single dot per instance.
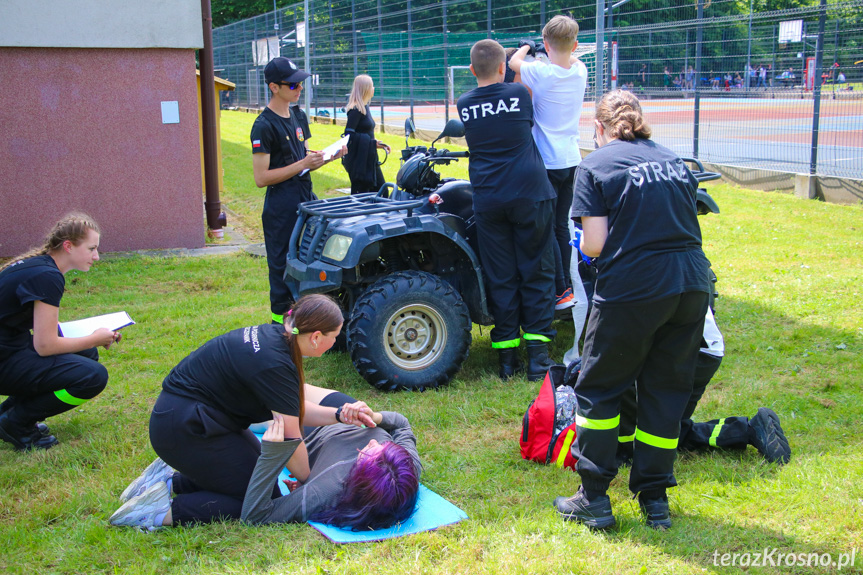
410 330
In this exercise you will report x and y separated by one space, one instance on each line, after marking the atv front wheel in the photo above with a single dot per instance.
410 330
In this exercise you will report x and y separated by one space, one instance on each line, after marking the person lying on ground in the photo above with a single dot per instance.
360 477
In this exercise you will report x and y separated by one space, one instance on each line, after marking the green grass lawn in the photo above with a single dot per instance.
790 274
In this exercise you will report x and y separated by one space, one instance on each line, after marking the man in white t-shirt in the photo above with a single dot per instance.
558 88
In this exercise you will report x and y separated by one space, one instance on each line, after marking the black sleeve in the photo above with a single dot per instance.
587 198
262 137
398 426
278 388
354 117
45 287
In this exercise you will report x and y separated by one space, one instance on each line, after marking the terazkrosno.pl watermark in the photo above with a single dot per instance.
776 558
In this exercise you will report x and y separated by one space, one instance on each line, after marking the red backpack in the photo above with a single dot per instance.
539 440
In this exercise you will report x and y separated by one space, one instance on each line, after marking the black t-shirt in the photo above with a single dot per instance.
505 165
653 248
21 284
297 111
360 122
245 373
283 139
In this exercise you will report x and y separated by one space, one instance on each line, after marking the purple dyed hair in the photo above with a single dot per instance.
379 492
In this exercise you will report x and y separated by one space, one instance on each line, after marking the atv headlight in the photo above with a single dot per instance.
337 247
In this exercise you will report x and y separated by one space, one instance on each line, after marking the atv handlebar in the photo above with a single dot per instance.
701 175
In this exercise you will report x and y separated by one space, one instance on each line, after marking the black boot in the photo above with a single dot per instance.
767 436
655 510
538 362
24 437
595 513
510 364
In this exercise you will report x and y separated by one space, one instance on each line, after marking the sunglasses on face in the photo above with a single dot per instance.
290 85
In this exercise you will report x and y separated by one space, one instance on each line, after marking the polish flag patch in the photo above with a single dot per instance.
256 143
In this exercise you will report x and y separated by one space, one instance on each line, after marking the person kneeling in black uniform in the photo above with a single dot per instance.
45 374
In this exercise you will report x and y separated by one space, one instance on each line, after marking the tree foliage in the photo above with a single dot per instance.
227 11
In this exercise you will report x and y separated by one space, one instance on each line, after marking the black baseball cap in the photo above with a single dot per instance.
283 70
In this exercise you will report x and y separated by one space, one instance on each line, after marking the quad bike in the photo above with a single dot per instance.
403 263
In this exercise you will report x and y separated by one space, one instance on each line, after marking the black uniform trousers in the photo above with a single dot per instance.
726 433
653 345
213 458
278 218
39 387
562 181
515 249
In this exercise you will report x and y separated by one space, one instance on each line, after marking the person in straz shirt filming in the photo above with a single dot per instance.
281 163
514 206
636 202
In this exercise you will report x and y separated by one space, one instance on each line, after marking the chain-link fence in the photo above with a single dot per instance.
727 87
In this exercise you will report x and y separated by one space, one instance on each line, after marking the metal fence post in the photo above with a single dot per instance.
381 63
610 29
411 58
773 66
445 64
649 56
354 35
685 59
332 62
600 49
306 42
699 38
749 50
257 87
816 108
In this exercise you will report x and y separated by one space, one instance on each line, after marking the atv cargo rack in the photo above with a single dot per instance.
340 208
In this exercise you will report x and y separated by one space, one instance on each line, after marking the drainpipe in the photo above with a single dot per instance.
212 206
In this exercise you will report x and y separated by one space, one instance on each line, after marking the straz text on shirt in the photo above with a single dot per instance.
489 109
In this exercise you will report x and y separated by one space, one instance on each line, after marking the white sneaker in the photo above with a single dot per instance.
142 511
156 472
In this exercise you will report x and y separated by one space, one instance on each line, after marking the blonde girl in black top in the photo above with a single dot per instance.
45 374
361 161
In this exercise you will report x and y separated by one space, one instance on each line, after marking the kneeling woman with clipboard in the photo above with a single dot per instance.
45 374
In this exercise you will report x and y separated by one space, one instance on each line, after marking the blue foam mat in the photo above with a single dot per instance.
432 511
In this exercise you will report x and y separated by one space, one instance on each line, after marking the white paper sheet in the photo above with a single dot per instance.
84 327
334 148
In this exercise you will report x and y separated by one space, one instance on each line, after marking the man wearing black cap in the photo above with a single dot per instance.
281 163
